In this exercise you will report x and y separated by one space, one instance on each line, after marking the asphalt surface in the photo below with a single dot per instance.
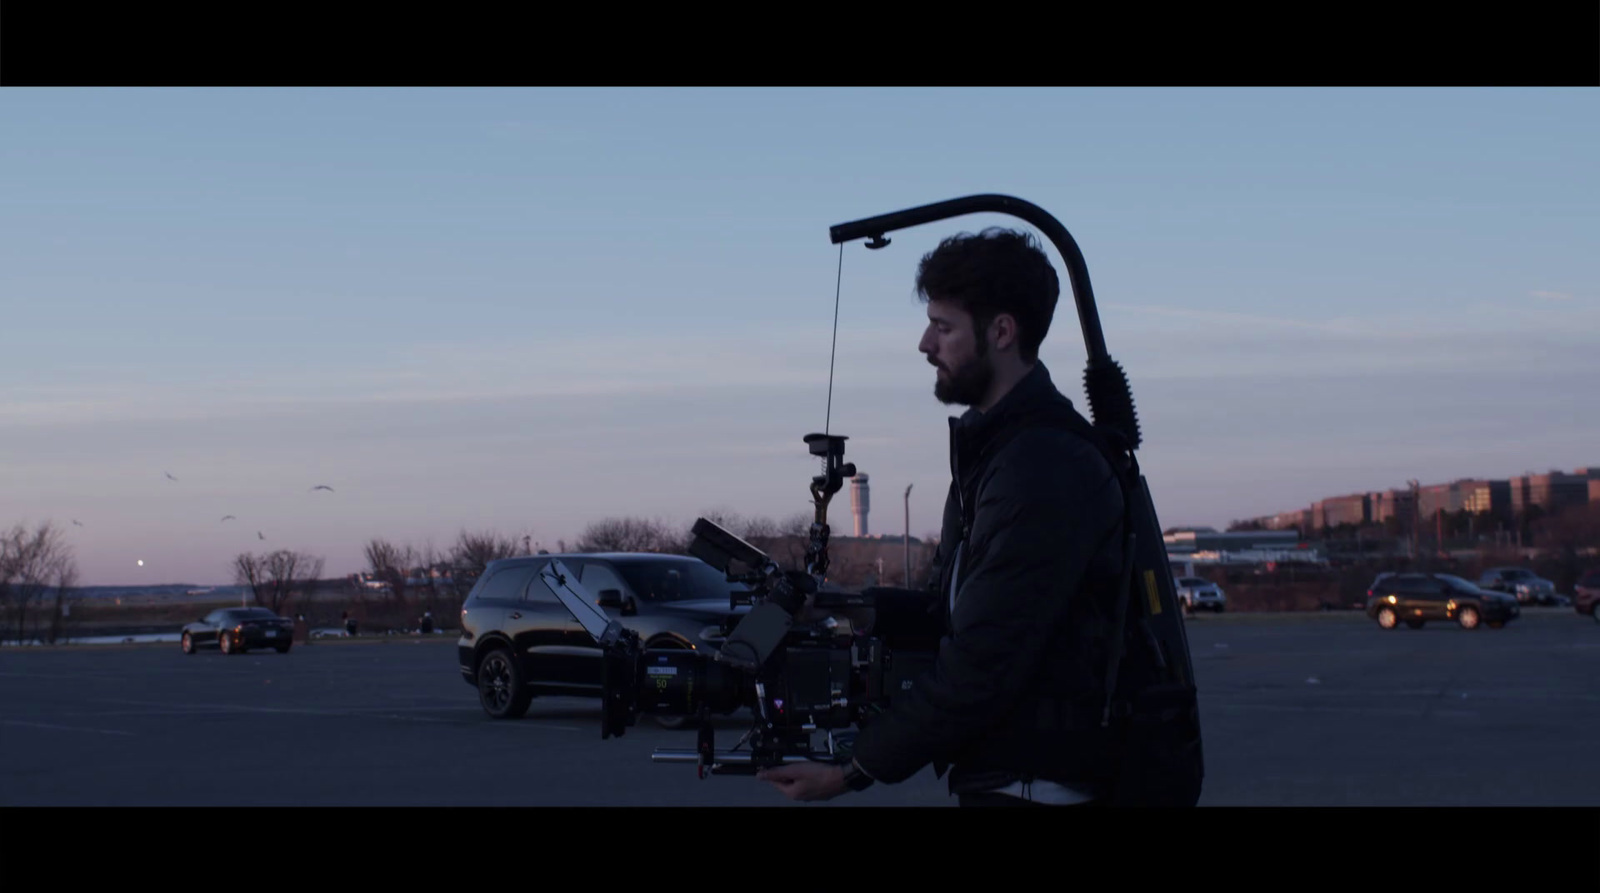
1298 710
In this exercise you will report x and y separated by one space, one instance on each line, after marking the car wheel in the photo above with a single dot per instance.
188 644
1218 609
1387 618
284 648
225 642
1468 617
500 689
1415 624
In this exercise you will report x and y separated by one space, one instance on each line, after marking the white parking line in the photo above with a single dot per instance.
1420 710
382 712
45 725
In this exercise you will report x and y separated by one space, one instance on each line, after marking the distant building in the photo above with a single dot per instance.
1550 492
1493 497
1206 539
1295 520
1352 509
1435 498
1398 504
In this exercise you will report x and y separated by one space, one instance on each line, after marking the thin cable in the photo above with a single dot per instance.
829 418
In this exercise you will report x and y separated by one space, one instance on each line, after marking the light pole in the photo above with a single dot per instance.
908 536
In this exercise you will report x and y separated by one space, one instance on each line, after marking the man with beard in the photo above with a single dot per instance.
1029 558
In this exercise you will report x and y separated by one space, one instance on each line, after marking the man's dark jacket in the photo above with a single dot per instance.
1033 528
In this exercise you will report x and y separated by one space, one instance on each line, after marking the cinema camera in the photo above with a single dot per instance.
808 661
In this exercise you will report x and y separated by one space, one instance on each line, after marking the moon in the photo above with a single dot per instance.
141 562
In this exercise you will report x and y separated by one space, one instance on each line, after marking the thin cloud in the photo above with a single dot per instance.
1551 295
1255 320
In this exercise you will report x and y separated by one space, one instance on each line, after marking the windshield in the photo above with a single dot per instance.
672 581
1517 575
1458 583
250 614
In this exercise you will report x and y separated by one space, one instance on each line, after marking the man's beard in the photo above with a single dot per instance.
968 384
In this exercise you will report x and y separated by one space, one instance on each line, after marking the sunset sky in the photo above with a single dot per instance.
525 310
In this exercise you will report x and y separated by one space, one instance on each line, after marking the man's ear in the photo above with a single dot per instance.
1003 328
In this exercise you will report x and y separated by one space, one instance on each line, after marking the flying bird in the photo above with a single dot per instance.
77 522
226 518
323 487
259 535
170 477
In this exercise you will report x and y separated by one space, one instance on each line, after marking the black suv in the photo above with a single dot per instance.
1414 599
518 641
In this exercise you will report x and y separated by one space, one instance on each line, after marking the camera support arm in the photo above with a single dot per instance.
1110 400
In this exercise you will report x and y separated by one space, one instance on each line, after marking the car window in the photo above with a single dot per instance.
597 576
213 617
676 580
507 584
1459 583
540 591
1590 579
1517 574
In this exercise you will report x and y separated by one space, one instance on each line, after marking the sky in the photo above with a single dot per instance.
525 310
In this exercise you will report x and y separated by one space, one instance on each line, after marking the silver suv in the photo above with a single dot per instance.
1528 587
1195 594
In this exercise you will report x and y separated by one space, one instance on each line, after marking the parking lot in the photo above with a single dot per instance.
1299 710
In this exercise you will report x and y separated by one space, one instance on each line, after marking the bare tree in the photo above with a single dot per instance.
66 577
391 564
290 575
472 553
434 563
277 577
627 535
30 562
247 571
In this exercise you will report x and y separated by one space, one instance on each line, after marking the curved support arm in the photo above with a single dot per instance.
1077 272
1110 400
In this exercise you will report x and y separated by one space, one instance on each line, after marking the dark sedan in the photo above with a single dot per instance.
518 641
1415 599
237 630
1586 595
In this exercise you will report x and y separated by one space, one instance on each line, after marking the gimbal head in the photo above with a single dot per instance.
823 486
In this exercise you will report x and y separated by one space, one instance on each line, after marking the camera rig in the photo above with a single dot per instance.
806 659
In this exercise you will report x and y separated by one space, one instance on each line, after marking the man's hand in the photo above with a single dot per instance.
806 781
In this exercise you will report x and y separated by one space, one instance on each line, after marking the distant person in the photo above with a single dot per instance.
349 623
427 622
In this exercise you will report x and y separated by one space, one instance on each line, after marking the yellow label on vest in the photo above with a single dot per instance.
1150 587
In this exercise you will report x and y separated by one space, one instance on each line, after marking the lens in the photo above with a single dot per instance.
678 682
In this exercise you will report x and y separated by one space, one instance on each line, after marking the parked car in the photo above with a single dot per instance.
1528 587
1197 593
1587 594
237 630
1415 599
518 641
